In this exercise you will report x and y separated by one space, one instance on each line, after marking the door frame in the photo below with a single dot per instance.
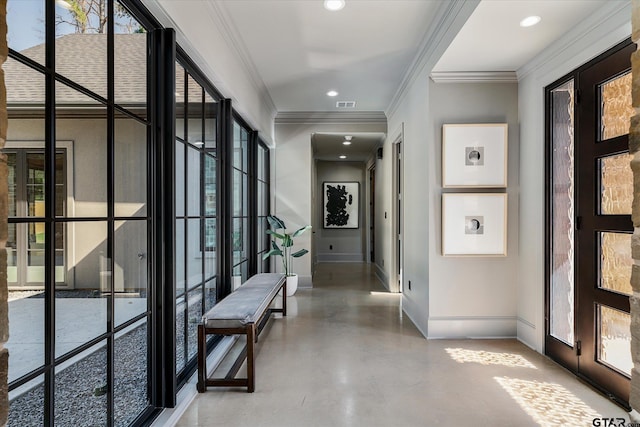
396 281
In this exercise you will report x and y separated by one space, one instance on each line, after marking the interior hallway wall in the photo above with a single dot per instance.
340 245
472 296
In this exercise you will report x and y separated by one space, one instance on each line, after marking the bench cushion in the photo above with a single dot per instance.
246 304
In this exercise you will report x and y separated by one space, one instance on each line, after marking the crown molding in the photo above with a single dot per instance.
331 117
234 39
474 76
612 15
449 19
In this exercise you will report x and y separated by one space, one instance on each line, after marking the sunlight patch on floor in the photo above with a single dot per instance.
463 355
548 404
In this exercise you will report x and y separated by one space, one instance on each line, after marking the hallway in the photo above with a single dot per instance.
346 356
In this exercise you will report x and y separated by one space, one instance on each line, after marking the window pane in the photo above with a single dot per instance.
26 34
180 332
180 257
614 339
25 404
130 373
81 307
12 254
87 35
81 389
130 180
616 185
616 107
130 56
209 185
180 100
195 316
240 240
240 142
210 124
193 181
240 197
562 278
210 294
89 136
35 253
26 344
616 262
130 278
196 113
194 255
240 273
180 178
11 183
210 237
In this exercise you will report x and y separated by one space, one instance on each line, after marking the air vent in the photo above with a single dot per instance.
346 104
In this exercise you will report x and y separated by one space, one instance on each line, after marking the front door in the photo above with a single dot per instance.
591 191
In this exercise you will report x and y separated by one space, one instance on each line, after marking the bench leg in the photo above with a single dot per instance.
202 360
284 299
251 357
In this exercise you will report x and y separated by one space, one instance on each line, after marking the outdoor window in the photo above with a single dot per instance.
196 161
240 205
262 186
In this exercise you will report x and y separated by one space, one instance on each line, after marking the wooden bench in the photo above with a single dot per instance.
243 312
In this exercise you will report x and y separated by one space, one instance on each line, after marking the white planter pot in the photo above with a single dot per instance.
292 284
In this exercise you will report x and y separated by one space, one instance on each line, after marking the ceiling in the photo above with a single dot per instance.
300 51
328 145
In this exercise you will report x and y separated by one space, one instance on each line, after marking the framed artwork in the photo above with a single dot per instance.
474 224
340 204
474 155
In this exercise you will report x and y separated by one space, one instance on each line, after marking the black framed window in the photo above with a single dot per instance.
262 206
79 226
240 209
196 208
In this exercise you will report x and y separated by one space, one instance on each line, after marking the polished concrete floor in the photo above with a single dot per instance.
346 356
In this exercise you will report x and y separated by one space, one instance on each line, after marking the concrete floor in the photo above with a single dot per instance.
346 356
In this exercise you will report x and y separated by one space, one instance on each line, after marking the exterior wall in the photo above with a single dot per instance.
340 245
634 149
463 290
86 242
4 309
599 32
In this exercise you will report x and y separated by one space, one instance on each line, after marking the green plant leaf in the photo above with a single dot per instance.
299 253
275 246
271 252
300 231
278 235
275 222
287 242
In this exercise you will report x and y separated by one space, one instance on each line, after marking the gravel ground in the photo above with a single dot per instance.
80 400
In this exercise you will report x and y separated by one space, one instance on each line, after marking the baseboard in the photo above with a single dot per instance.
305 282
341 257
169 417
527 334
382 276
456 327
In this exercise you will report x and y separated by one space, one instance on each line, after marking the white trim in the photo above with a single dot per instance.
474 76
449 19
445 327
612 15
381 275
330 117
341 257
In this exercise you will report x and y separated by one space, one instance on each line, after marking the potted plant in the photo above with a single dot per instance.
284 249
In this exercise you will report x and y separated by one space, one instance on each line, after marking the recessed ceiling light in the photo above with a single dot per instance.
333 5
346 142
343 157
332 93
530 21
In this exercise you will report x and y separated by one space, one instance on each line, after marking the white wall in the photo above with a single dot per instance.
472 296
294 180
602 30
204 33
340 245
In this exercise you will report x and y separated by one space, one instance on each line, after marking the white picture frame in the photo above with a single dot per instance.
340 207
474 155
474 224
